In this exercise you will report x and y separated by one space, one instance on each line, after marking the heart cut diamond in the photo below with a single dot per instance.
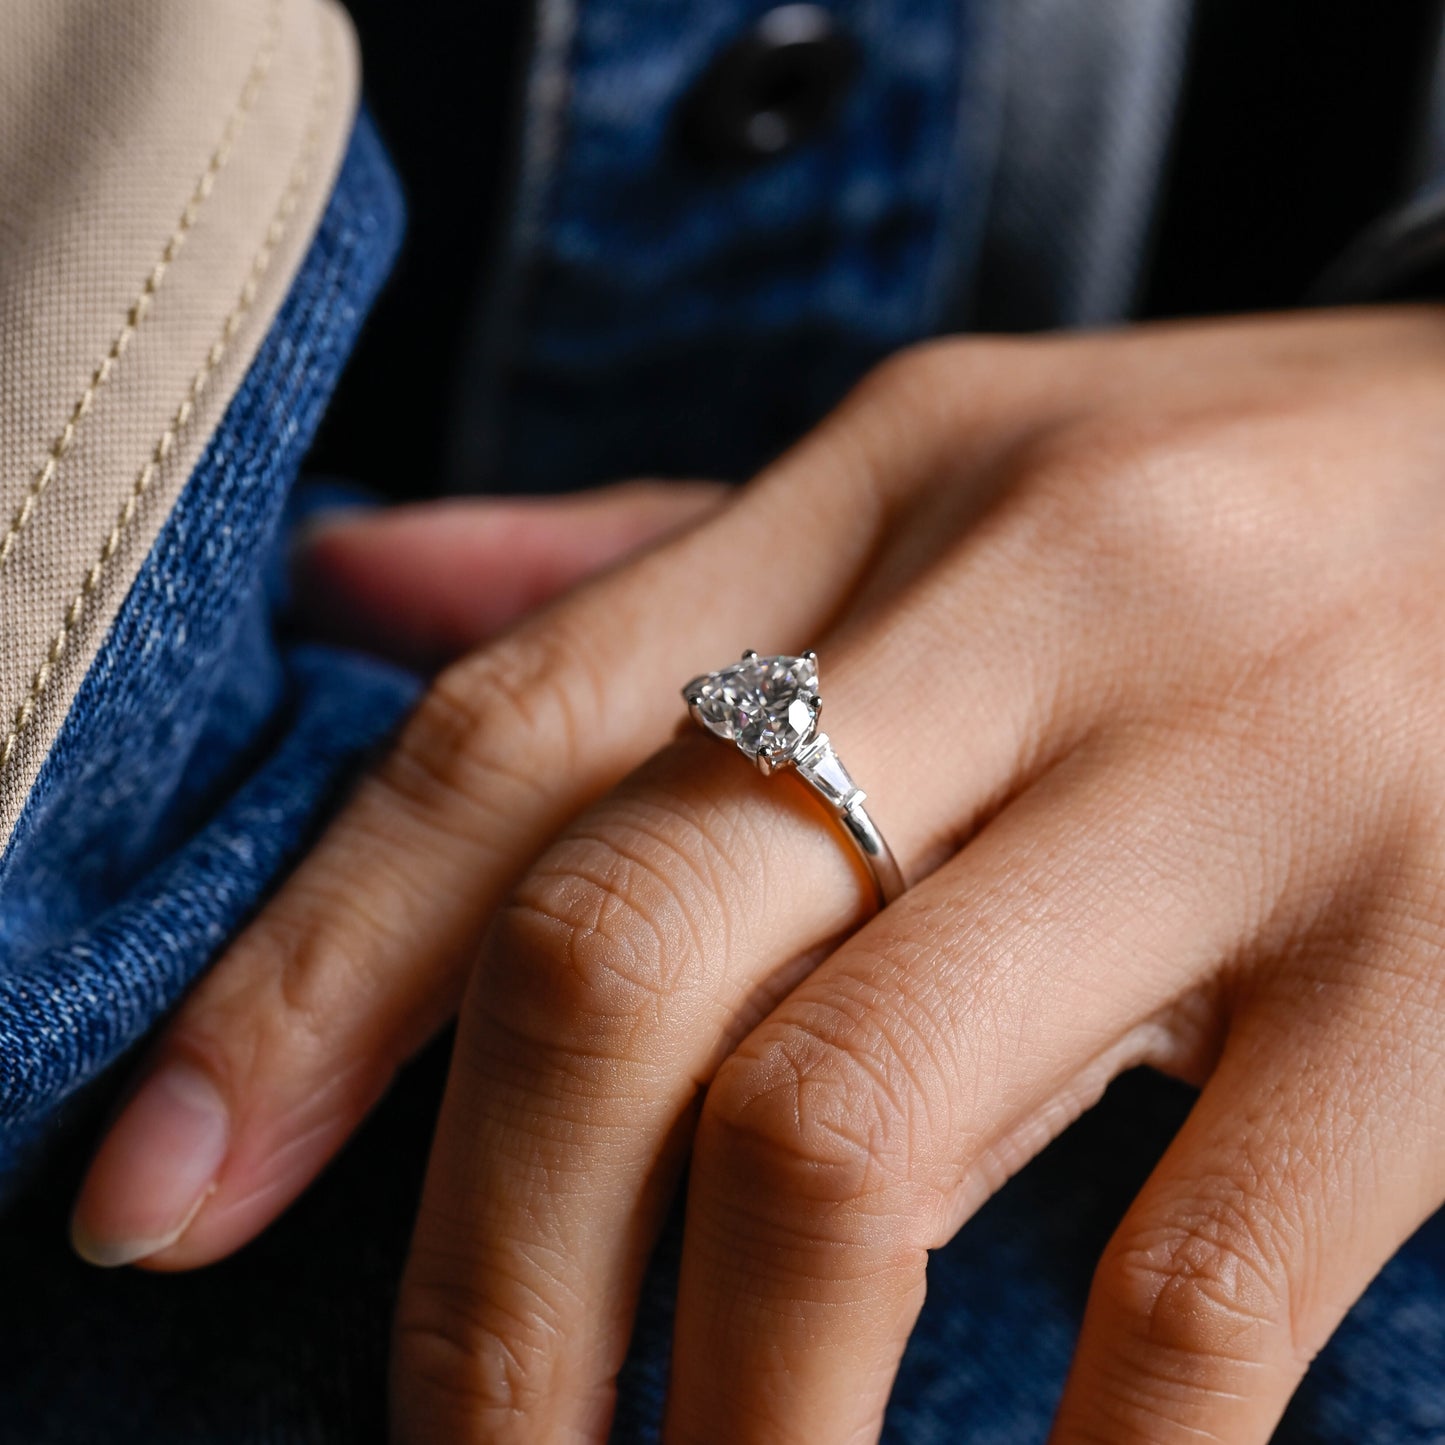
768 706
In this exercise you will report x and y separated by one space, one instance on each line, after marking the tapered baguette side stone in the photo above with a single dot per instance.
825 769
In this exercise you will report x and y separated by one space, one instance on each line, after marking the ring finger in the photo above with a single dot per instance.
637 952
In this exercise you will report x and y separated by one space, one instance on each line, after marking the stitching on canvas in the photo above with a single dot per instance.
136 312
261 262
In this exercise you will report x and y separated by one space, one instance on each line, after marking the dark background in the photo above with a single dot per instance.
1292 141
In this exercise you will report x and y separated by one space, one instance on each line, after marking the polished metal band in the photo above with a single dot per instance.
823 771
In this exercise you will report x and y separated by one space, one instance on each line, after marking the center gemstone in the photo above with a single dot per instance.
766 705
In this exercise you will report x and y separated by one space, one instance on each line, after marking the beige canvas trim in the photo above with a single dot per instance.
163 165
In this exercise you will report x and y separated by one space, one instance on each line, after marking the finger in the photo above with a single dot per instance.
1313 1153
635 954
912 1073
425 583
361 955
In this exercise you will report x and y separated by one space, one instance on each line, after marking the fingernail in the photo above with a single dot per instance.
154 1170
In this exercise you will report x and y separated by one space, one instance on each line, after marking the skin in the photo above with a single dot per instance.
1135 641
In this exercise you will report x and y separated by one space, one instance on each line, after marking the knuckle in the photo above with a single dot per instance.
1167 532
486 1366
1107 480
270 1010
800 1120
915 373
616 925
926 395
317 971
1210 1282
937 380
1177 500
333 946
486 722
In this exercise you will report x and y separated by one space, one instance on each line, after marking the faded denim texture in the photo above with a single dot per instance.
671 323
199 746
688 320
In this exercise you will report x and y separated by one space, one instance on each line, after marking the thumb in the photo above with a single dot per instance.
426 582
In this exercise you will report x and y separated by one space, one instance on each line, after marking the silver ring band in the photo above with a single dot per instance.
769 709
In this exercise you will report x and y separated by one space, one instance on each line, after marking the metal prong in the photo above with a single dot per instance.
811 656
694 699
750 656
764 764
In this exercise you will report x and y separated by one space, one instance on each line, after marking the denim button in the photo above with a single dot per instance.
772 89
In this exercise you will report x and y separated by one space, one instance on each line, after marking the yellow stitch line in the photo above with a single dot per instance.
136 312
259 265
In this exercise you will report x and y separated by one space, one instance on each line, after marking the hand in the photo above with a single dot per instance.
1136 642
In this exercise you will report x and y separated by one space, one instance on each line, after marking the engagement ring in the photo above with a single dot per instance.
769 707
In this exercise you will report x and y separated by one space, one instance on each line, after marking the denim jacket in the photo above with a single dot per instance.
170 332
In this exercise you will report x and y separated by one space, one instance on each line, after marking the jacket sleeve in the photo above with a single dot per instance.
193 220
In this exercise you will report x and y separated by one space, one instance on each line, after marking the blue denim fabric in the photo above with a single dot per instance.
199 747
659 316
204 744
